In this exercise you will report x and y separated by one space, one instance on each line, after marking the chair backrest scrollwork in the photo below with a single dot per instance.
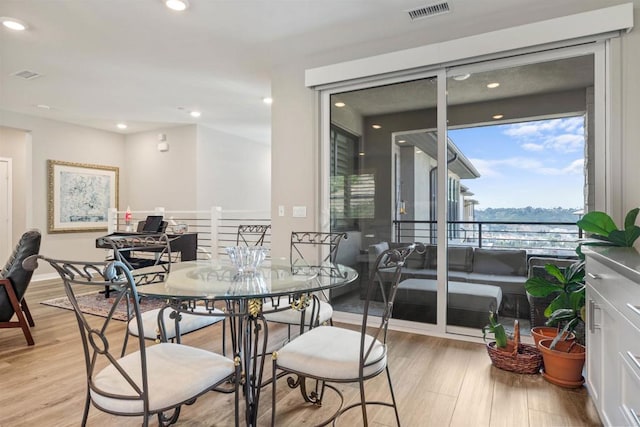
315 245
140 251
252 235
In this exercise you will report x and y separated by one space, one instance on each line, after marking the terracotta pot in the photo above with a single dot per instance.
545 332
563 365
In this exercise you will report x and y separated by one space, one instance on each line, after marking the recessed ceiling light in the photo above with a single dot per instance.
178 5
418 151
497 116
13 23
493 85
339 104
401 141
267 100
461 77
195 114
44 106
361 153
121 125
376 126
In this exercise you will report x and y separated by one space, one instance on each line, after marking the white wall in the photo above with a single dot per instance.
167 179
294 155
295 136
628 65
52 140
202 168
233 172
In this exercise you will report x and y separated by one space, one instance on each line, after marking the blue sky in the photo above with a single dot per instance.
539 164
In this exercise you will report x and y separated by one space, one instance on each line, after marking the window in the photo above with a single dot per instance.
352 193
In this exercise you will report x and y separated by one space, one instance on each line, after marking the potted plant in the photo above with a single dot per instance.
564 360
510 355
499 334
568 287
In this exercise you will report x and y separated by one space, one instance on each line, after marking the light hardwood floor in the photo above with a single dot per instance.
438 382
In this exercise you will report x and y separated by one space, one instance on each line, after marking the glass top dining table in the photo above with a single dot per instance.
219 280
210 281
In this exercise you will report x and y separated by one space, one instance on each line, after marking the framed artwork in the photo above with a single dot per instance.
80 195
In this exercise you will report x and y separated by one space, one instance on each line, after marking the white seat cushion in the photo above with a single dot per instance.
175 373
188 323
332 353
293 317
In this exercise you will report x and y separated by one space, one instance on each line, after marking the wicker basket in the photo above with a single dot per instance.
517 357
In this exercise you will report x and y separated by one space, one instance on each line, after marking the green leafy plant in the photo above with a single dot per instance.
604 230
568 308
496 329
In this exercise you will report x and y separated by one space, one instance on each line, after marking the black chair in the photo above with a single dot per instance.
332 354
251 235
154 380
153 253
14 280
139 251
305 249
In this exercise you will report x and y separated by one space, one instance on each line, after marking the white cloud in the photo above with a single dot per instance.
530 129
530 146
558 135
566 143
574 168
485 167
495 167
573 124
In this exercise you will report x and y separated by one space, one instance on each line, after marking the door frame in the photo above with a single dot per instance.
604 180
9 206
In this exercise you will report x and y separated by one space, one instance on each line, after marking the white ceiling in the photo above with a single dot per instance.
106 61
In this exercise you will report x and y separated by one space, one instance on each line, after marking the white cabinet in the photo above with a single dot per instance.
613 334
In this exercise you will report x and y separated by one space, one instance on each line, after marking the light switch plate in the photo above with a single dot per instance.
299 212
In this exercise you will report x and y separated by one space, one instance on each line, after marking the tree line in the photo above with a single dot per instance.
528 214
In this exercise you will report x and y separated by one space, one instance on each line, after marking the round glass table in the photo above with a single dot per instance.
203 283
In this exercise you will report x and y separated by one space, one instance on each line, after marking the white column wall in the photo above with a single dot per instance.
166 179
233 172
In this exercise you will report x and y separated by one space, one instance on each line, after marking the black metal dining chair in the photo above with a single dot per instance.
149 380
329 354
252 234
153 253
306 249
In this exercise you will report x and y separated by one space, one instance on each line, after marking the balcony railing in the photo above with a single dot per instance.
551 238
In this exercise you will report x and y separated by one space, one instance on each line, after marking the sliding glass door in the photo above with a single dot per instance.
518 178
380 184
489 165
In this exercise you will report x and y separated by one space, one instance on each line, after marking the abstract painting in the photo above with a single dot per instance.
80 196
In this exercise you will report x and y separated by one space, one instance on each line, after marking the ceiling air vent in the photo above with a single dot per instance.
429 10
26 74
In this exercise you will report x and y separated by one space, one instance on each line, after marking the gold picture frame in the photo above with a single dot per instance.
79 196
